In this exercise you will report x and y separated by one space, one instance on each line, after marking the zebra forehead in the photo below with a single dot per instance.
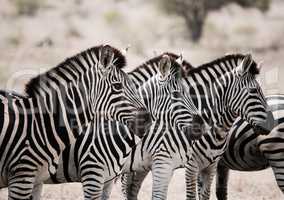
230 59
78 63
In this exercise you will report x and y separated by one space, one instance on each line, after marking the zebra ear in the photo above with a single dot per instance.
245 65
179 60
165 66
106 57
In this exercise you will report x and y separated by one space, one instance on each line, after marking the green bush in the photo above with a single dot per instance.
112 16
27 7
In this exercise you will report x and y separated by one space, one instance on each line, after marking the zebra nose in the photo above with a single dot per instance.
142 122
145 117
193 132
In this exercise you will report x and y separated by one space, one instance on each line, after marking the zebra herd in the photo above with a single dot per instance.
88 121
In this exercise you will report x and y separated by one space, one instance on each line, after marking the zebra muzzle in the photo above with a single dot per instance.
142 122
266 127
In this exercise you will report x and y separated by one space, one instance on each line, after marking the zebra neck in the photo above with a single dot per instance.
143 74
65 110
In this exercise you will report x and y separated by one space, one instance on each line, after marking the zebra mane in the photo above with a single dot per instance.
232 58
154 61
80 62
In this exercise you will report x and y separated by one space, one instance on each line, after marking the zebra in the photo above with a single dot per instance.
76 153
206 154
94 165
247 151
221 90
35 129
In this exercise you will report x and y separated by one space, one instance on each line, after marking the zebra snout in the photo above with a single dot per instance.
265 127
143 121
193 132
196 130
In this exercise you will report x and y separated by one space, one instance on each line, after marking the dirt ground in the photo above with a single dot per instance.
32 44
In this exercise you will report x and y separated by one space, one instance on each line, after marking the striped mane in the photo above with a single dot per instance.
145 71
154 61
75 65
232 59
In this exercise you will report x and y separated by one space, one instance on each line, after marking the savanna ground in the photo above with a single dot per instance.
32 44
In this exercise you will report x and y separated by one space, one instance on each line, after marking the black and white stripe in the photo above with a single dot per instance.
60 103
244 98
247 151
99 155
167 145
221 90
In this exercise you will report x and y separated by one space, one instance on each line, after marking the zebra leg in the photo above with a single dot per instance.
107 190
20 184
162 172
207 176
131 183
92 178
278 172
191 174
222 178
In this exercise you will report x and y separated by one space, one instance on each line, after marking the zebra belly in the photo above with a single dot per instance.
240 167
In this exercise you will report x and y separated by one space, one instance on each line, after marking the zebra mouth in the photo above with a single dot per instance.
260 130
265 127
193 132
141 123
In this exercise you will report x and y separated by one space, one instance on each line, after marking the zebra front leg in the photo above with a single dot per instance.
21 183
207 176
191 175
92 178
131 183
222 181
162 173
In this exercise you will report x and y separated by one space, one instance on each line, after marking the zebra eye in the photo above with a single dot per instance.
176 94
117 86
252 90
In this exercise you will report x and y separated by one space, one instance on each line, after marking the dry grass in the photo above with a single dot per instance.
123 22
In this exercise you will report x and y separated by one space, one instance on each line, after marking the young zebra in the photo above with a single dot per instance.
247 151
224 88
61 102
99 155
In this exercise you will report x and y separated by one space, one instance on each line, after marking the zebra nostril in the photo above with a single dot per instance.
260 130
193 132
265 127
144 115
142 122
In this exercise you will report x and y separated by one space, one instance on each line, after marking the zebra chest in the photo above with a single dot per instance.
171 153
208 150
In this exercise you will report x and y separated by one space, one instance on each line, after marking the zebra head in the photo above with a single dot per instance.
165 98
242 94
121 101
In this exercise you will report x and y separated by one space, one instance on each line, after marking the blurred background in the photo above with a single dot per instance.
36 35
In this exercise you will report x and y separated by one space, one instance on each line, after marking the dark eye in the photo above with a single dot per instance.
176 94
117 86
252 90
